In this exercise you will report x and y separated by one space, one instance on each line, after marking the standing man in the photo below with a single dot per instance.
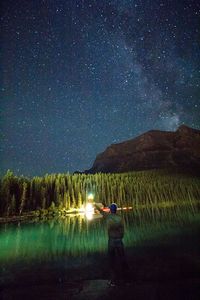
116 252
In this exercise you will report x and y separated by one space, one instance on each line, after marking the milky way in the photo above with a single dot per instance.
81 75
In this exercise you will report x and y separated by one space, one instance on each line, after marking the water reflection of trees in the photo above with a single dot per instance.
70 236
77 237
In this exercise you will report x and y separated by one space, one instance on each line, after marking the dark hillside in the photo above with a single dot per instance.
179 150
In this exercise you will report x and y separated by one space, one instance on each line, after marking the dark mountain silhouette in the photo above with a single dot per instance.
154 149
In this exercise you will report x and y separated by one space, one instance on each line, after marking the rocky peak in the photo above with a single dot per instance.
187 130
154 149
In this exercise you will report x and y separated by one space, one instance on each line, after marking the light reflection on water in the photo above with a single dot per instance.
77 236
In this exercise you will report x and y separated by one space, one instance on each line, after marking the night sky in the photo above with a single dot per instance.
77 76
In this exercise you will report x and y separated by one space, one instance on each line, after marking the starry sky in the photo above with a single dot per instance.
79 75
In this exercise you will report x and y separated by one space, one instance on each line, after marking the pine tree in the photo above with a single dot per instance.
23 198
67 200
13 205
80 202
5 193
43 198
73 200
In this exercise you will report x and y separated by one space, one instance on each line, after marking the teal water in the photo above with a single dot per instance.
42 255
76 236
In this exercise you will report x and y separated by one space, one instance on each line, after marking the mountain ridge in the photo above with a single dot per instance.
154 149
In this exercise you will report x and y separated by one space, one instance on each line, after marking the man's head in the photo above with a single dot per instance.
113 208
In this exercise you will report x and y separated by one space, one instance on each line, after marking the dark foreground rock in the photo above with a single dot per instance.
154 149
182 289
98 290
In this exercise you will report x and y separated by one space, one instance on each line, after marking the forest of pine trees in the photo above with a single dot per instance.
66 191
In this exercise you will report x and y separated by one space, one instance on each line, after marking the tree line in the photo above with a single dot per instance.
19 194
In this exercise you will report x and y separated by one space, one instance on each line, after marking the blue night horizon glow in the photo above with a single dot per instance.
81 75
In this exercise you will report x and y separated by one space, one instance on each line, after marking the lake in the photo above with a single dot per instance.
80 235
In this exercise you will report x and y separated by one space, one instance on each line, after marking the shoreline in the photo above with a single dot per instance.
63 212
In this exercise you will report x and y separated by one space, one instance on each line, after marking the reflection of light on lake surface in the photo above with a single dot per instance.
89 215
77 235
89 211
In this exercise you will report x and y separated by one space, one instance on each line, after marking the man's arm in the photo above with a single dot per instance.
103 213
